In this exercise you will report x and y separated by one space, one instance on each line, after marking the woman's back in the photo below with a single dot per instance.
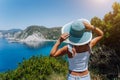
79 62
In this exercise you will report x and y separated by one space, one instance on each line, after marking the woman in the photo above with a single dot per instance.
79 38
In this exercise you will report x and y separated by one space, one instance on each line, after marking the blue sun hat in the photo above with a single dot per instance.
78 34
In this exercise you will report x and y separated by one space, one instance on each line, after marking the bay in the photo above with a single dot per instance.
13 53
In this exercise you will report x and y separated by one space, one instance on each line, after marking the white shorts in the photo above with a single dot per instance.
72 77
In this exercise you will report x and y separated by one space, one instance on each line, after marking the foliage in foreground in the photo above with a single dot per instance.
36 68
110 25
107 59
105 62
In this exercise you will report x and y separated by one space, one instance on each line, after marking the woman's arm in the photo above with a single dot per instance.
99 33
57 52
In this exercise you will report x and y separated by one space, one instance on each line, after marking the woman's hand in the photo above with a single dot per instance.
63 37
55 52
98 31
88 26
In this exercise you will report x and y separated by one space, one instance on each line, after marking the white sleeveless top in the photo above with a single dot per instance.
79 62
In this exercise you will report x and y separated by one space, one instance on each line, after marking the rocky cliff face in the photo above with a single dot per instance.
33 37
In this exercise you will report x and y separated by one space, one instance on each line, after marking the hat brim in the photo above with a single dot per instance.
86 37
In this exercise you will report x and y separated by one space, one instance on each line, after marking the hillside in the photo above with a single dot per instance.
9 33
39 32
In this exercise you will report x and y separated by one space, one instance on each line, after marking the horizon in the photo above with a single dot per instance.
20 14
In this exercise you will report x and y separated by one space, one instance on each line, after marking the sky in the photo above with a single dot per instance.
19 14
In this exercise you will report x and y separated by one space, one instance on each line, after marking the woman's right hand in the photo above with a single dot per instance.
63 37
88 26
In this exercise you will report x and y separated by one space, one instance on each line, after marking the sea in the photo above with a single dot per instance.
13 53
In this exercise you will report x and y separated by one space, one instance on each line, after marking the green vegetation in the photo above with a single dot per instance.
38 68
106 58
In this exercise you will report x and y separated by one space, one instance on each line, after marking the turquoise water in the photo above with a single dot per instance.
13 53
